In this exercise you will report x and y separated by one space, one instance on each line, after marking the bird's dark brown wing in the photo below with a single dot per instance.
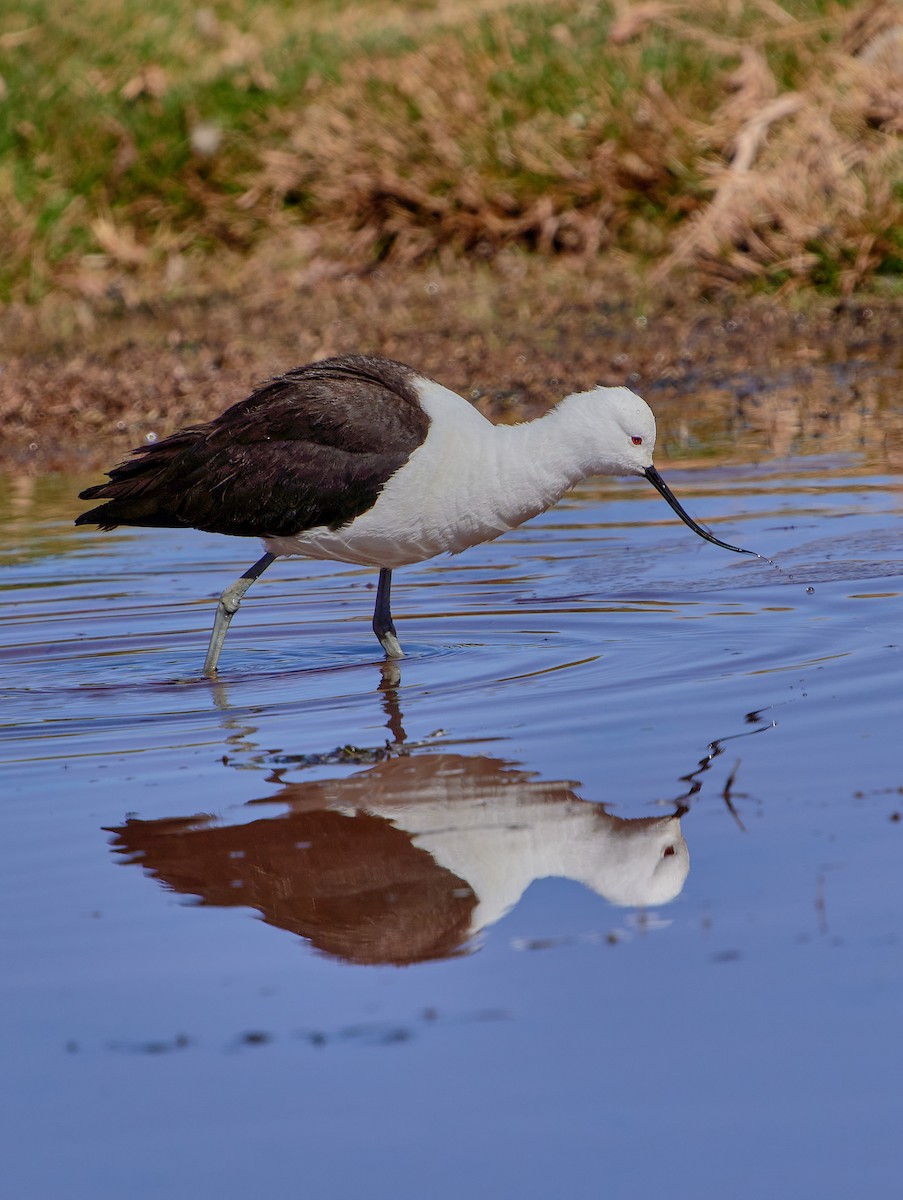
313 447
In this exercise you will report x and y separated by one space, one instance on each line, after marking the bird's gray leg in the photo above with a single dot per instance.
382 616
228 607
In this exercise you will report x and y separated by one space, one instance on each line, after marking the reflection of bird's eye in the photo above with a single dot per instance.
668 851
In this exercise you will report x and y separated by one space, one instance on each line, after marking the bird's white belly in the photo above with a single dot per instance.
406 525
364 546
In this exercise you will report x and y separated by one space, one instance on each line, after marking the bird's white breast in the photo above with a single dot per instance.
467 483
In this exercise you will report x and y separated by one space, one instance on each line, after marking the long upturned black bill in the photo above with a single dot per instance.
660 486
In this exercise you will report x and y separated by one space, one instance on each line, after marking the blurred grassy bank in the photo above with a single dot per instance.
700 198
162 150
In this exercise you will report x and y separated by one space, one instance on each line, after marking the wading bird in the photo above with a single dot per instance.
362 460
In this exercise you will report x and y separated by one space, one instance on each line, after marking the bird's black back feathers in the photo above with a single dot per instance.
312 447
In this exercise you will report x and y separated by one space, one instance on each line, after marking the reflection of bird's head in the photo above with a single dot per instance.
646 863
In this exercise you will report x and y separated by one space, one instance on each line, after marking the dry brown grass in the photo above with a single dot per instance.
769 184
721 143
807 184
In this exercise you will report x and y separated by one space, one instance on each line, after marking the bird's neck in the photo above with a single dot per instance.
536 462
471 480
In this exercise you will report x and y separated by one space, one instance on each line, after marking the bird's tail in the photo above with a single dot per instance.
143 490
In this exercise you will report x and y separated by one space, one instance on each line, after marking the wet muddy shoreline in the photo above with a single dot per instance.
79 400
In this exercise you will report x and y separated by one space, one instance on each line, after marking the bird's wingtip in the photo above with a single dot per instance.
93 517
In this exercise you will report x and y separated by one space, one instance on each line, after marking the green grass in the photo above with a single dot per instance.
528 104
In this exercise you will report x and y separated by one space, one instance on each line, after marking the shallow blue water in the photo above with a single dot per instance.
207 888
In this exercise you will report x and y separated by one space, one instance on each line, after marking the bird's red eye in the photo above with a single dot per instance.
637 441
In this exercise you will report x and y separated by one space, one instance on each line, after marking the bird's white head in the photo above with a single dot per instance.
611 431
615 430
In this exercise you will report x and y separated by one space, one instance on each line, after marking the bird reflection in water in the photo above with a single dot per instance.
409 859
